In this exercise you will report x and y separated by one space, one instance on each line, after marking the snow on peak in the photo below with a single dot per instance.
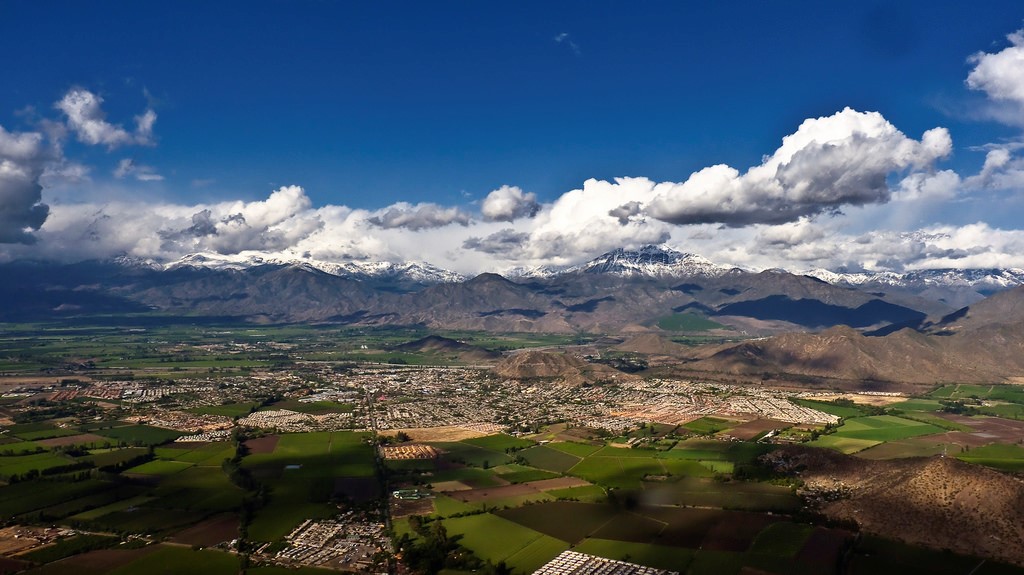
650 261
417 272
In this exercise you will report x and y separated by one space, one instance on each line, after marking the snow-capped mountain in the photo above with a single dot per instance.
414 272
983 279
650 261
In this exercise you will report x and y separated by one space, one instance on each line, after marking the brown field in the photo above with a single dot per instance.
876 400
12 381
408 451
210 532
515 490
1005 430
447 486
428 434
986 430
12 565
751 429
73 440
737 533
823 547
262 444
185 445
407 507
96 562
500 492
557 483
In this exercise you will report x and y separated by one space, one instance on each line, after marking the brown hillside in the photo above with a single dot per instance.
560 367
436 344
940 502
986 354
654 344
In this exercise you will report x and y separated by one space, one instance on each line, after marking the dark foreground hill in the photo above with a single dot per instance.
939 502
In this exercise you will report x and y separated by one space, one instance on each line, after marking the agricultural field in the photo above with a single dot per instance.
1005 457
544 457
304 473
687 322
708 425
879 428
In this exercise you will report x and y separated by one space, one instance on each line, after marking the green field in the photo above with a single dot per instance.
497 539
304 472
708 425
917 405
469 454
583 493
71 546
141 434
687 322
573 448
551 459
829 407
1005 457
174 560
21 464
160 467
842 443
659 556
881 428
500 442
782 539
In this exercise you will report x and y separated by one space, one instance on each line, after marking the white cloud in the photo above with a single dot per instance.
580 223
88 121
509 203
921 186
830 162
1001 77
22 161
128 167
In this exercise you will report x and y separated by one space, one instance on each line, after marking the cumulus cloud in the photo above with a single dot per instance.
22 162
508 243
88 121
418 217
509 203
792 233
1001 77
580 224
829 162
920 186
128 167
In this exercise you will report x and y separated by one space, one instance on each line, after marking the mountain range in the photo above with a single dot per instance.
620 290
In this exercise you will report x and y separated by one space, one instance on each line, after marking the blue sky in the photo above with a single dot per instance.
368 106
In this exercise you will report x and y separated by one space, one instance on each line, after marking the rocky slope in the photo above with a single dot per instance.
939 502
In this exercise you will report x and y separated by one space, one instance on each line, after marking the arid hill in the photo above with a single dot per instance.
436 344
559 367
654 344
981 343
940 502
